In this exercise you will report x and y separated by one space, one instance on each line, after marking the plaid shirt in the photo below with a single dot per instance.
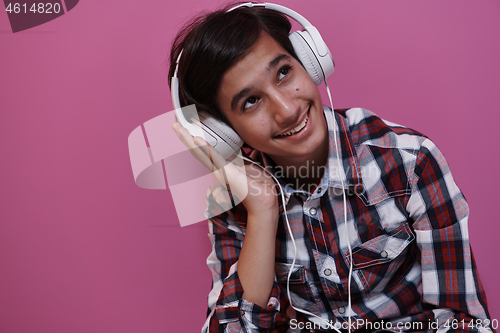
407 227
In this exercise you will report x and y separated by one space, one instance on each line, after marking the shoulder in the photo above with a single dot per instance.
388 156
366 128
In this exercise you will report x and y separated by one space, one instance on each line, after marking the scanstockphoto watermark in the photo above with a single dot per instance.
303 178
358 324
250 182
407 326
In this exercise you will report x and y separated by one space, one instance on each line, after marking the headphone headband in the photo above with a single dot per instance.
317 58
282 9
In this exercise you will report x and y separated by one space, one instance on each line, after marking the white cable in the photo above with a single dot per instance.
345 211
293 240
294 249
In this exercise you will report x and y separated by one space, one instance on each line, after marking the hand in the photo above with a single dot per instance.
251 184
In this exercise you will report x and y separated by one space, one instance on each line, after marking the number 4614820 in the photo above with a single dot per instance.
40 8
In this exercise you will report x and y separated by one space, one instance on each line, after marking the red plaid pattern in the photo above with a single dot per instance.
407 227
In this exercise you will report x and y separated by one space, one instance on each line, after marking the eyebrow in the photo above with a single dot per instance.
272 64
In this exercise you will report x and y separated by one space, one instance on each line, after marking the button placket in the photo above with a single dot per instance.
310 207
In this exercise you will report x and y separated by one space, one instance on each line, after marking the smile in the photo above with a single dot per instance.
298 128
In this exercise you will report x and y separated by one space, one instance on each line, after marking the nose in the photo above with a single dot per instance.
285 107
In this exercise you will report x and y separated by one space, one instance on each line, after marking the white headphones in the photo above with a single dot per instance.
309 48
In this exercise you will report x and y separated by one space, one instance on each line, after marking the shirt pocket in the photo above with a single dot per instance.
378 260
301 292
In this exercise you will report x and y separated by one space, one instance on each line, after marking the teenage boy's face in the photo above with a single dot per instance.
273 104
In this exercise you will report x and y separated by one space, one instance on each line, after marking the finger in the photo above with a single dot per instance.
215 156
198 149
210 157
184 135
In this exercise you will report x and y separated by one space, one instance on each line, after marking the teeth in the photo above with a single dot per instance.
296 129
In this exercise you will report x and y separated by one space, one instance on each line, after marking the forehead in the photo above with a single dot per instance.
265 48
251 70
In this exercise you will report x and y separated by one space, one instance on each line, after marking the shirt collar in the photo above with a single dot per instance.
349 171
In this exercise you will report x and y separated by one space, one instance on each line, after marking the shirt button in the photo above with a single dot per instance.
242 312
313 211
319 190
341 310
327 272
383 254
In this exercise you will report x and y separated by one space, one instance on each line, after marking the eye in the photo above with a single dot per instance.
251 101
284 71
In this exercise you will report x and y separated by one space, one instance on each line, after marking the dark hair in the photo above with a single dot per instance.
212 43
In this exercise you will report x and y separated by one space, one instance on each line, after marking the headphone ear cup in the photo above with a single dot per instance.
306 55
224 131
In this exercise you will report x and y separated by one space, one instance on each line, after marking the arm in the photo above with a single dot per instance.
440 213
243 275
256 261
244 296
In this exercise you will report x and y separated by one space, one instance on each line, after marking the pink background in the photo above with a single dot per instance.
83 249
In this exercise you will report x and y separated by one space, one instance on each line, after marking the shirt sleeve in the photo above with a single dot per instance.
440 214
227 311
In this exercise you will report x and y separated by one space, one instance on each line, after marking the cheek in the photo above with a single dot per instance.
305 87
262 123
255 132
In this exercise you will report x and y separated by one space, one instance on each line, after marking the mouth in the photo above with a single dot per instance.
297 129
